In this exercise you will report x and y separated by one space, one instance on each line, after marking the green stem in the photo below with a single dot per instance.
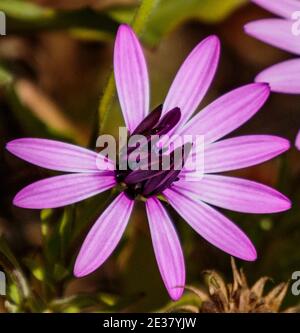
142 15
138 24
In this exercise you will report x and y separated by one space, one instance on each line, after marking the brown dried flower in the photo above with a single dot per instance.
238 296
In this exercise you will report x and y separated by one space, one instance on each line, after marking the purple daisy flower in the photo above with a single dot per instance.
190 199
283 77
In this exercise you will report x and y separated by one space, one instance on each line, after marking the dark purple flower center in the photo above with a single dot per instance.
155 178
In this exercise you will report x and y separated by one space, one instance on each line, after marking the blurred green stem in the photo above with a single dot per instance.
138 24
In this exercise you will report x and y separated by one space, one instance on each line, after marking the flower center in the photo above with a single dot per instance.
155 170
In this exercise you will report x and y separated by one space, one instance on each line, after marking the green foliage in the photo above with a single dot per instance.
89 24
169 14
6 77
47 274
24 10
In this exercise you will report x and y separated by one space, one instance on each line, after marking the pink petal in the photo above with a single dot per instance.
167 248
131 77
104 236
243 151
283 8
228 112
62 190
283 77
194 78
297 142
276 32
236 194
59 156
211 225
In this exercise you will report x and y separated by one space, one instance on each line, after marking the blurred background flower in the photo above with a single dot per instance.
54 63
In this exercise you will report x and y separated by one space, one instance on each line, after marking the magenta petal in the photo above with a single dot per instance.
167 248
276 32
104 236
59 156
297 141
213 226
193 78
283 77
236 194
131 77
283 8
243 151
62 190
228 112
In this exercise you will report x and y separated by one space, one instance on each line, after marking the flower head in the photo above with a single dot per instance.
279 32
191 199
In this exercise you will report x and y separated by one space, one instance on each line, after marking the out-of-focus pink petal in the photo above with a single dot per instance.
228 112
104 236
167 248
283 77
236 194
131 77
243 151
283 8
211 225
297 141
193 78
63 190
59 156
276 32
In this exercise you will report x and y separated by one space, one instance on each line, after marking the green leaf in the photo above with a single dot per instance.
7 253
60 272
6 77
50 233
169 14
16 276
85 19
65 229
45 216
187 299
35 268
24 10
77 303
56 226
14 294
